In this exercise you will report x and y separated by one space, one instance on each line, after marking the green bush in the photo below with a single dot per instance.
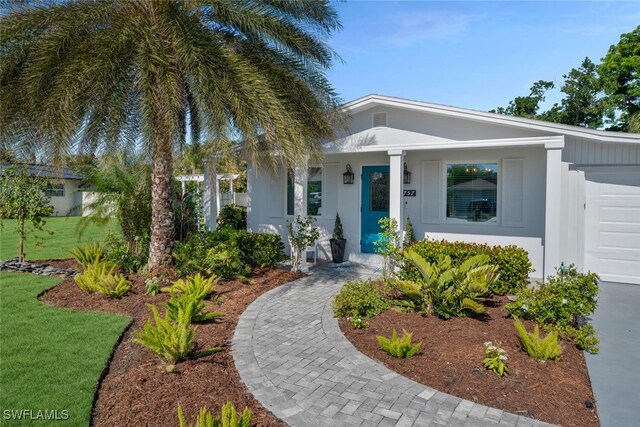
494 359
444 289
130 257
228 418
546 348
171 340
360 299
197 286
101 277
560 304
233 217
88 254
189 303
401 348
228 253
513 262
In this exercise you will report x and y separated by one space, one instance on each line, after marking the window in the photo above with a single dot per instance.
314 192
54 190
472 192
379 192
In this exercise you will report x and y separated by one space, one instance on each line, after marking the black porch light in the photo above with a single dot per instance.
347 177
407 175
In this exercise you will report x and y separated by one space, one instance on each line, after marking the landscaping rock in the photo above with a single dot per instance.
14 266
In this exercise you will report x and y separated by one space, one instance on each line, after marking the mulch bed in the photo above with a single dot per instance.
137 391
450 360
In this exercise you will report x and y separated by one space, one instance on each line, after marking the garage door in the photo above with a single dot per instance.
612 224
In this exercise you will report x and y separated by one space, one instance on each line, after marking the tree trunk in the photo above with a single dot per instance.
161 211
21 236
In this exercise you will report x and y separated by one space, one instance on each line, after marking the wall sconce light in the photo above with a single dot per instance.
407 175
347 177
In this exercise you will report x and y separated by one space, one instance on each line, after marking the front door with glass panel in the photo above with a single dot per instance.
375 205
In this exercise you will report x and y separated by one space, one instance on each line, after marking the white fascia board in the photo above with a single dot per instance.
373 100
548 142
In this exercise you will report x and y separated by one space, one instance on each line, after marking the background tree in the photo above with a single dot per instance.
122 188
78 76
22 198
582 104
620 74
527 106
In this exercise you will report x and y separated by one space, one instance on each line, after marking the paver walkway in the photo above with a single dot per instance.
293 357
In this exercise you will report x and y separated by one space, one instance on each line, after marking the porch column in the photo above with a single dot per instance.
396 205
209 196
300 175
552 208
217 197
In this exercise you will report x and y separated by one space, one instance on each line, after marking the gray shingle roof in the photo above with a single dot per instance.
44 170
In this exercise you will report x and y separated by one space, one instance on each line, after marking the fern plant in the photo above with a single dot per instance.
101 277
546 348
447 290
190 304
399 347
197 286
88 255
171 341
228 418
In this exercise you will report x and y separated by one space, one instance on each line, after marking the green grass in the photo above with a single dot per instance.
55 246
50 358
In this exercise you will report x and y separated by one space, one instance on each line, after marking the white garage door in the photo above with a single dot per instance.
612 224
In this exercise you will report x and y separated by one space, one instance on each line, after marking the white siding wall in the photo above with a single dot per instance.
572 220
70 203
586 152
522 171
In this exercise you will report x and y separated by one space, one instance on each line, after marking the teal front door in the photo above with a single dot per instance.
375 205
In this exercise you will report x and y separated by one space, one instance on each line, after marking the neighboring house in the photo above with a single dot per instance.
65 189
563 193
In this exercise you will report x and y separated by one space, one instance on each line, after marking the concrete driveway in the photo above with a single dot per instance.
615 371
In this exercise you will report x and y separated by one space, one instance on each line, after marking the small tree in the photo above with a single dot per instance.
338 233
301 235
22 198
389 245
409 234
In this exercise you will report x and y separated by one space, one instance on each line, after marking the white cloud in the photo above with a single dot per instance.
405 29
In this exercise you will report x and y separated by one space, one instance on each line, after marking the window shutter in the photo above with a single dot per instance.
276 193
430 192
512 192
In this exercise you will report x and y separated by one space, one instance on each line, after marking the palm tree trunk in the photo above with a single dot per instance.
161 211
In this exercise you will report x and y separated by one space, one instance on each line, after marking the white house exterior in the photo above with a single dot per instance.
563 193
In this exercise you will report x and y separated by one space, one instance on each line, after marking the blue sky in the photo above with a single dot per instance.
474 54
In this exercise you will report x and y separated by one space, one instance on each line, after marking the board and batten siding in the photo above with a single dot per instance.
587 152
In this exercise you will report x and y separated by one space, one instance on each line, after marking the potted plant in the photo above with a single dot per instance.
338 243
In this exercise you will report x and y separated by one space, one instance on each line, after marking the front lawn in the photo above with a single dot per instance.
55 246
50 358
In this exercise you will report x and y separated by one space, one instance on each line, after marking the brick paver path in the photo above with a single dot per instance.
293 357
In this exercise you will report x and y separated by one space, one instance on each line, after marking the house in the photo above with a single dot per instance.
563 193
65 188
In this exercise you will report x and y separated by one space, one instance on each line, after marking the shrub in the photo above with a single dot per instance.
560 304
88 254
446 290
409 233
152 286
189 303
389 245
130 257
539 348
228 418
244 250
360 299
171 341
401 348
197 286
358 322
101 277
301 234
513 262
495 359
233 217
338 232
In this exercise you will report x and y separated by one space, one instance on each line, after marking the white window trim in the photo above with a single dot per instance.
443 197
53 188
286 194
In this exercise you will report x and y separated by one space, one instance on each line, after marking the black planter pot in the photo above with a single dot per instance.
337 249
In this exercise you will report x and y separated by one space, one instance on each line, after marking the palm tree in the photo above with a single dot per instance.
81 76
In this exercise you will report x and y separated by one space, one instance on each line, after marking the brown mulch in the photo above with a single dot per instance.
450 360
137 391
